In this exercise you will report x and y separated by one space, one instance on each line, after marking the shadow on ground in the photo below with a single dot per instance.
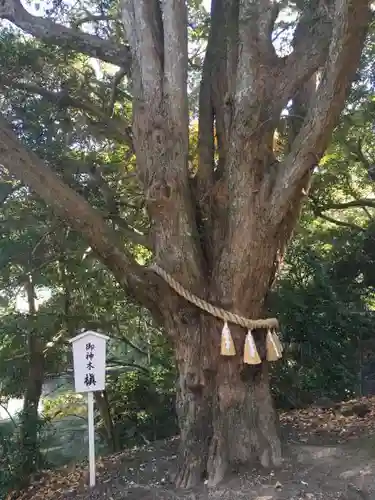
328 455
309 472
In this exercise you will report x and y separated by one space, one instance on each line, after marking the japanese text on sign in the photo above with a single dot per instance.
90 355
89 361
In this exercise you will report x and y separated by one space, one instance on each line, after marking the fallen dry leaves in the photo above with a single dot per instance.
57 484
338 423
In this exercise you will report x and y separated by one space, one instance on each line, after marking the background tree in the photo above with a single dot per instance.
220 228
325 293
33 341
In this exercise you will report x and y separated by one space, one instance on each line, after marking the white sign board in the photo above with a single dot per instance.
89 376
89 351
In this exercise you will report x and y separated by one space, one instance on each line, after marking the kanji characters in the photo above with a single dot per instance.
90 379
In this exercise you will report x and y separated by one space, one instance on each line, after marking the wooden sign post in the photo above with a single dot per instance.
89 353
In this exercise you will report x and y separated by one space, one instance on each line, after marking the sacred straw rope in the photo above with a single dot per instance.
213 310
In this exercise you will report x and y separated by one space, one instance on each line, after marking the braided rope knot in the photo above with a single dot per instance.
218 312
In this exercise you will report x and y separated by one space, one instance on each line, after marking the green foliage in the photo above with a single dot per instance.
323 296
325 293
320 334
323 300
67 404
18 463
143 405
141 402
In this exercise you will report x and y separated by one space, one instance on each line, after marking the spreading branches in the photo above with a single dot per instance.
160 125
143 25
57 34
204 178
116 128
116 81
176 60
257 57
361 203
350 22
360 156
310 45
98 184
130 233
320 210
337 222
256 22
90 18
78 213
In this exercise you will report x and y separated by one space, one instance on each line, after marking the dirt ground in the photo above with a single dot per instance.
329 454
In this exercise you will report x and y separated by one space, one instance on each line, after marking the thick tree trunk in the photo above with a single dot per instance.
223 235
224 407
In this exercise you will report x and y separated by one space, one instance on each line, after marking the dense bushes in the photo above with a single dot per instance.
325 322
142 405
18 462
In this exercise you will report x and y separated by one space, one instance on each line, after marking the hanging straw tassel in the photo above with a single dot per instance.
278 341
251 356
273 347
227 344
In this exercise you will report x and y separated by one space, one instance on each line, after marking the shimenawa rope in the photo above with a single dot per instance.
218 312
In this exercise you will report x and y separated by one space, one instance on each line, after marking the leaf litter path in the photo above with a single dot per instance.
330 454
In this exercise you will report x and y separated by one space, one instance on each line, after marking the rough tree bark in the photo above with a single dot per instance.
33 391
223 234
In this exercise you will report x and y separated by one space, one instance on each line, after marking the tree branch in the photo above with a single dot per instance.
117 128
311 43
257 57
204 178
79 214
116 81
96 181
91 18
339 222
57 34
160 135
143 25
113 204
125 339
129 232
361 157
120 364
45 235
176 60
361 203
6 191
257 20
351 18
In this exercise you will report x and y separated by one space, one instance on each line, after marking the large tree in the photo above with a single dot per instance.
218 225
